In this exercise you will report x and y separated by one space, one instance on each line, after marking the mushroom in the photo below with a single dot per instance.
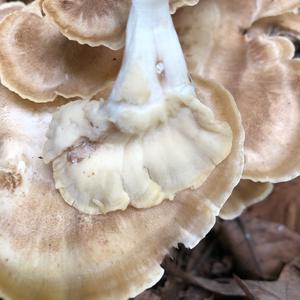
49 250
245 194
259 71
8 7
175 4
95 22
287 25
152 139
40 64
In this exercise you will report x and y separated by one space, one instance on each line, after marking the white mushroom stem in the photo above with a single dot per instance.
152 139
154 68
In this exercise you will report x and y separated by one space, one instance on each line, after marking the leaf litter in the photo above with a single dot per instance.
255 257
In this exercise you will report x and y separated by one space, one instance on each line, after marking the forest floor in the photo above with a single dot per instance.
256 256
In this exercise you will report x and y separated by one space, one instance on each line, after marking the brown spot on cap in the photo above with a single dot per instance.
79 153
10 180
40 64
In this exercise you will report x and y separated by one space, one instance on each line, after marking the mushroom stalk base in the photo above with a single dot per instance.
153 68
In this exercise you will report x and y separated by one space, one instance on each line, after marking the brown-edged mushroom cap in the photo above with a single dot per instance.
95 22
287 24
39 63
49 250
151 140
91 22
260 73
8 7
245 194
267 8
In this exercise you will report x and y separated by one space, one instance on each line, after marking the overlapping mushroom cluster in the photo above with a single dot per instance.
256 63
85 185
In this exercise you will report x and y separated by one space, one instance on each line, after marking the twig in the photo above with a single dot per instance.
242 284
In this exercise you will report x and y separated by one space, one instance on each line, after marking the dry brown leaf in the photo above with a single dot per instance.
192 293
283 206
287 287
260 248
147 295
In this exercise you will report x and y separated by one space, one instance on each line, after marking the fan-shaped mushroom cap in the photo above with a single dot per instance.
287 24
113 168
245 194
49 250
95 22
175 4
260 73
92 22
39 63
151 140
267 8
8 7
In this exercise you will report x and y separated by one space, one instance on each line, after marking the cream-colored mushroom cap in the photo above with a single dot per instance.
95 22
175 4
8 7
245 194
39 63
152 139
49 250
260 72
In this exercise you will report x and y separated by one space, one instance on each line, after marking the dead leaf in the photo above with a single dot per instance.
259 248
287 287
148 295
171 289
283 206
192 293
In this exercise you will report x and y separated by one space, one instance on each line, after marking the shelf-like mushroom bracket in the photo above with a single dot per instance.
258 68
8 7
113 256
95 22
39 63
51 251
245 194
